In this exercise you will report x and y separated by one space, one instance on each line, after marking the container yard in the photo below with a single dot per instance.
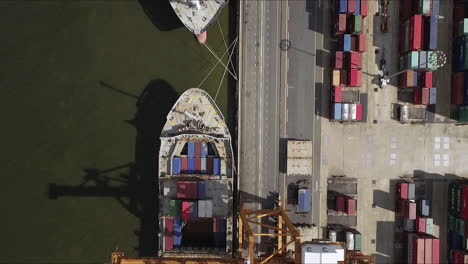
459 91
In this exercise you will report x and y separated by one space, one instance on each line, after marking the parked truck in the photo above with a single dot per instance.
411 113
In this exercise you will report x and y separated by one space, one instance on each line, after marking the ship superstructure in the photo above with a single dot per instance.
195 179
197 15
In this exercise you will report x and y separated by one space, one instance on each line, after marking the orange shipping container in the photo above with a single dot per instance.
336 78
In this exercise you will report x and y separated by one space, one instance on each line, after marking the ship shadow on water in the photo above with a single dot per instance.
136 188
161 14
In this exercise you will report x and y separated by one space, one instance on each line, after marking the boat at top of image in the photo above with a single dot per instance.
197 15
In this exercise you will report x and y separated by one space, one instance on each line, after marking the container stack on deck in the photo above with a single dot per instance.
348 16
421 246
417 45
457 223
196 161
460 60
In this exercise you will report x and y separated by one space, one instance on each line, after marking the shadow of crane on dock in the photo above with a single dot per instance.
134 184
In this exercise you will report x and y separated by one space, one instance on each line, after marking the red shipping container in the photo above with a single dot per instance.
417 98
405 9
428 79
215 225
354 60
458 13
361 42
338 60
337 95
350 206
197 149
185 210
351 6
464 202
209 165
340 203
364 8
418 250
187 190
435 251
420 224
425 96
428 251
411 210
359 78
197 165
457 256
359 112
340 24
402 207
416 32
343 78
402 190
353 77
168 233
457 87
184 165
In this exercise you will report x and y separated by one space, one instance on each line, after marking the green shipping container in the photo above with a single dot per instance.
463 27
400 64
460 226
424 7
413 59
463 113
358 242
452 197
174 208
357 24
457 200
429 226
451 222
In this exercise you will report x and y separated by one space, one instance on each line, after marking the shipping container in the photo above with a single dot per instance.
430 36
340 203
336 95
425 7
359 112
463 114
197 165
336 78
420 224
354 43
429 226
336 111
459 49
204 149
457 94
409 252
185 210
435 247
201 190
415 33
353 60
427 79
183 165
350 206
338 60
168 234
460 226
216 166
203 165
361 42
358 242
431 61
351 6
303 204
451 223
458 198
198 149
174 208
205 208
432 96
340 26
422 59
357 8
405 9
407 79
356 24
219 225
209 165
411 191
435 7
413 59
417 99
175 166
418 250
402 190
411 210
187 190
402 207
352 111
344 78
193 210
408 225
423 207
353 77
191 165
425 96
462 27
349 241
364 7
177 232
346 42
428 251
342 6
191 149
345 111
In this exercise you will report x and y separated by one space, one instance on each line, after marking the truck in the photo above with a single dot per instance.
411 113
303 201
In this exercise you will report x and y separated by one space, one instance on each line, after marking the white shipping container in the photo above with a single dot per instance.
353 111
345 112
349 241
205 208
203 165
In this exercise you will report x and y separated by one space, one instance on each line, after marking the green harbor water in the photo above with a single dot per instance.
85 88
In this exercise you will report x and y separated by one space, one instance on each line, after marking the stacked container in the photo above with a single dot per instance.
457 220
348 17
459 92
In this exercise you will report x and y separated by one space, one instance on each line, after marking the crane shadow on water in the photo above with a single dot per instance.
135 187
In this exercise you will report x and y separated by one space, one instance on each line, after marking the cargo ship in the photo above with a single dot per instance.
197 15
195 178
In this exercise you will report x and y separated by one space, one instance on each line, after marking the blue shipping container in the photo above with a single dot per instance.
204 149
423 207
458 54
432 96
346 42
191 165
177 232
422 60
201 190
191 149
175 165
357 10
193 210
304 200
337 111
216 166
342 6
435 7
430 32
